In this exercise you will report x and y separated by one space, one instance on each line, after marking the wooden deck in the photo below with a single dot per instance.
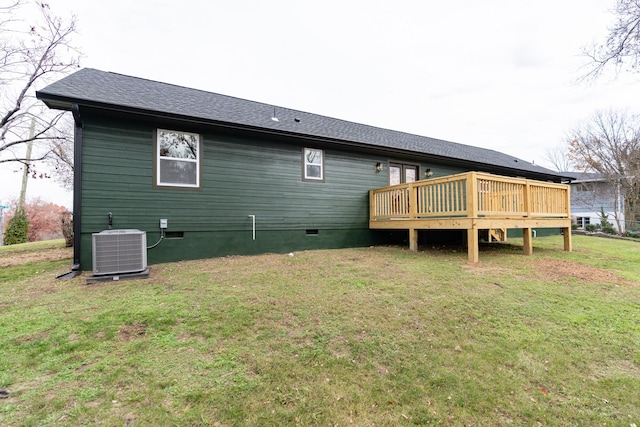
472 201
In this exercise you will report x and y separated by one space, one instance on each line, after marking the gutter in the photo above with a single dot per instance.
77 192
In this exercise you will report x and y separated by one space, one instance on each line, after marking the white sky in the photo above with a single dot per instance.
498 74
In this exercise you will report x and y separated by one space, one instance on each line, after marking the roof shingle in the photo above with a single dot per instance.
111 90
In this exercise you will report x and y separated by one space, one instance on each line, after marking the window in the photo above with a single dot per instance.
400 173
178 159
583 221
313 164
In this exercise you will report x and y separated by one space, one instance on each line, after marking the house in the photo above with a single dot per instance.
208 175
591 195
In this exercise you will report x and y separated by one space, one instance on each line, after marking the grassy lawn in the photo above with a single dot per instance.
372 336
33 247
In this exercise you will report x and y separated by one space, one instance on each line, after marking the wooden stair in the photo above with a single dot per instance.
497 235
494 235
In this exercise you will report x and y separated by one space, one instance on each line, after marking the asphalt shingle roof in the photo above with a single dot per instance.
587 176
111 90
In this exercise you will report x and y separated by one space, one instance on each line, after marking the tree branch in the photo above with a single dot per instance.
621 46
29 56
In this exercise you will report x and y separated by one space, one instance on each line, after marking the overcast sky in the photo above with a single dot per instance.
497 74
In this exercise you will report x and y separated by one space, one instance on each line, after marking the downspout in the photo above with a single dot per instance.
77 185
77 192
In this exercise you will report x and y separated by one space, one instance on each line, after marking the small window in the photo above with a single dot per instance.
313 164
583 221
178 159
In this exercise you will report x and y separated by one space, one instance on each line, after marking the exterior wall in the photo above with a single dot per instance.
587 199
241 176
591 196
594 218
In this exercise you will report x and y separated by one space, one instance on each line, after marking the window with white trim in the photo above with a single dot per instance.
178 159
583 221
313 169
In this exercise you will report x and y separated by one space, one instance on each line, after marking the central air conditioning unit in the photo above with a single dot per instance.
119 251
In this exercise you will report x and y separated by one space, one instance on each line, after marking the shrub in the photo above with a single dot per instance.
66 219
605 225
633 233
17 229
592 227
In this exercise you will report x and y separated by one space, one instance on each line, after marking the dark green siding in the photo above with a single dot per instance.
241 176
540 232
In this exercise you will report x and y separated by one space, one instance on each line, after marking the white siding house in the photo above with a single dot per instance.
592 194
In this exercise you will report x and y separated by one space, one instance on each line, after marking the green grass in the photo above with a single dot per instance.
33 246
374 336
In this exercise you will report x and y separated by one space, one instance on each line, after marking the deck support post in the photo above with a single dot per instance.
528 242
472 245
413 240
566 231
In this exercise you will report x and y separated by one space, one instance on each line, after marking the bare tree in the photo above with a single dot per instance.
31 54
609 144
621 49
558 157
61 149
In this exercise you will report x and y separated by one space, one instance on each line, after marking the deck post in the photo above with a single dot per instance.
413 201
413 240
472 245
472 195
528 242
472 212
372 206
566 231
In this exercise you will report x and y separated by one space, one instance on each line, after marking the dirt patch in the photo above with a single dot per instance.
556 271
38 336
131 332
14 258
560 270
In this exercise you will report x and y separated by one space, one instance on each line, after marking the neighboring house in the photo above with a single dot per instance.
232 176
591 194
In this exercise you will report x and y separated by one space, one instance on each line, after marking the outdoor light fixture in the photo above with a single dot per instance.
378 167
428 173
274 117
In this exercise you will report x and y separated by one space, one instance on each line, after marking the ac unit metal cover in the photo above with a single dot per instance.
119 251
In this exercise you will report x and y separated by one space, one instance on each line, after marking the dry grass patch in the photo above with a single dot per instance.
131 332
615 369
41 252
554 270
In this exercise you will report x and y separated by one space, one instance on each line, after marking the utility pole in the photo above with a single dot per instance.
25 172
2 208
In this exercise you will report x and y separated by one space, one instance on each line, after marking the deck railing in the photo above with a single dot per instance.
470 195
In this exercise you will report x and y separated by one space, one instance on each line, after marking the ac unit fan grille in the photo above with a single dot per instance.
119 251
